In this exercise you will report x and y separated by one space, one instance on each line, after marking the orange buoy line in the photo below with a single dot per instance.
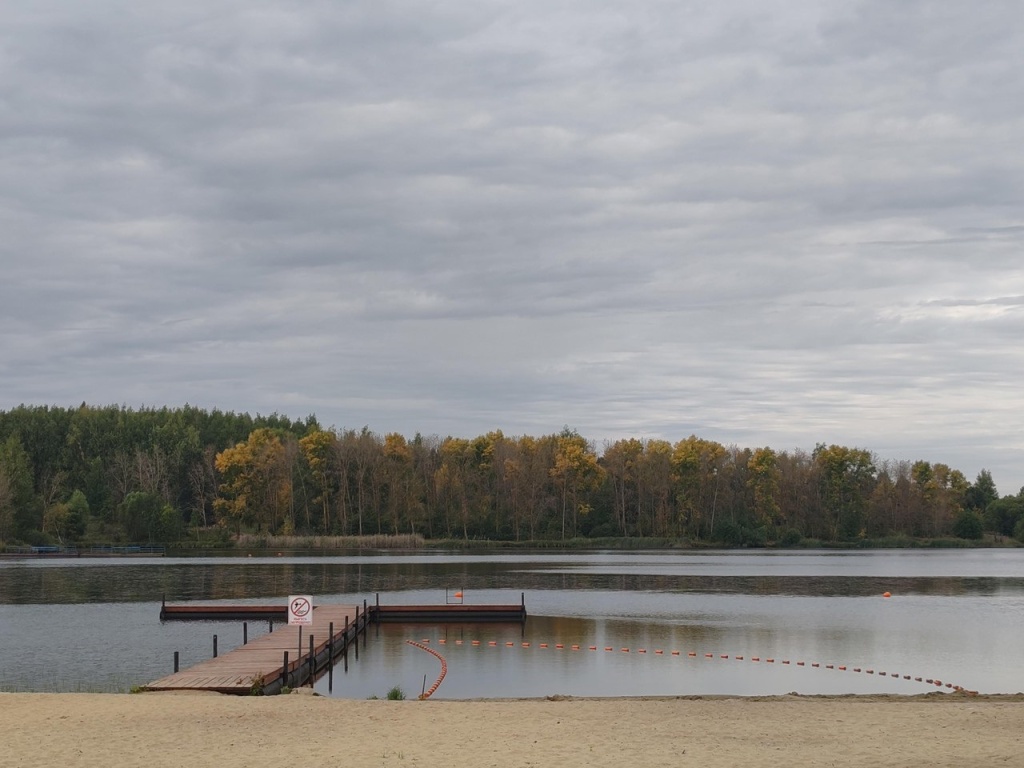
691 655
444 668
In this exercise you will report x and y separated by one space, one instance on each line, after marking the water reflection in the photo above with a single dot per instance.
495 662
979 572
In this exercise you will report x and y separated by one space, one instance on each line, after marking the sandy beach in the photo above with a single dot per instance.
207 729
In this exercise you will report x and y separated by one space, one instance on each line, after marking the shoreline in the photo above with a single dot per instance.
173 729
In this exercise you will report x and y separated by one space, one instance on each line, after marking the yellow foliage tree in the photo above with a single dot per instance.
319 449
256 486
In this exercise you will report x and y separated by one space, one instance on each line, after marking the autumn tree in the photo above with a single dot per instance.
256 483
398 477
451 484
576 471
319 449
697 463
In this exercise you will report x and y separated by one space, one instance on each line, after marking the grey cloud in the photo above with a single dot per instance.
767 223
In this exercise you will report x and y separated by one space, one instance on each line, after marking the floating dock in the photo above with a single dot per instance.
193 612
455 613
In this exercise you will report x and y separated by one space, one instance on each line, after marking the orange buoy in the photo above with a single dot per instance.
887 594
457 595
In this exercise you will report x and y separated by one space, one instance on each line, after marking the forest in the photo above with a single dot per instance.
111 474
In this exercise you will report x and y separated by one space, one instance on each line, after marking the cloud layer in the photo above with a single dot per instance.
769 223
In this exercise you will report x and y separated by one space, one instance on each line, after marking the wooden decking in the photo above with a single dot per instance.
259 665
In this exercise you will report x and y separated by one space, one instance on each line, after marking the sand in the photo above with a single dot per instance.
157 729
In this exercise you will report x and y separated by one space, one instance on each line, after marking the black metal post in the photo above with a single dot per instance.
215 646
284 672
245 633
330 658
175 661
271 625
357 633
312 660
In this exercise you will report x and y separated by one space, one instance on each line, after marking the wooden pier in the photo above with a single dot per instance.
275 660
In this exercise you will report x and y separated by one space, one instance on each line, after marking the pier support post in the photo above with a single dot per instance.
330 657
312 661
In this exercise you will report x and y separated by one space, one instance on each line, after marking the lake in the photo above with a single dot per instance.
669 618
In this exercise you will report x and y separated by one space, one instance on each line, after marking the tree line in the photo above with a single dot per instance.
114 474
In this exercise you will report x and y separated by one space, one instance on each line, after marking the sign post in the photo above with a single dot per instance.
300 612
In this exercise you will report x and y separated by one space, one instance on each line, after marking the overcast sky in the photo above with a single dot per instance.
767 223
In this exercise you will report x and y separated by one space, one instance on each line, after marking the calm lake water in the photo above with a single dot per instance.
957 616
